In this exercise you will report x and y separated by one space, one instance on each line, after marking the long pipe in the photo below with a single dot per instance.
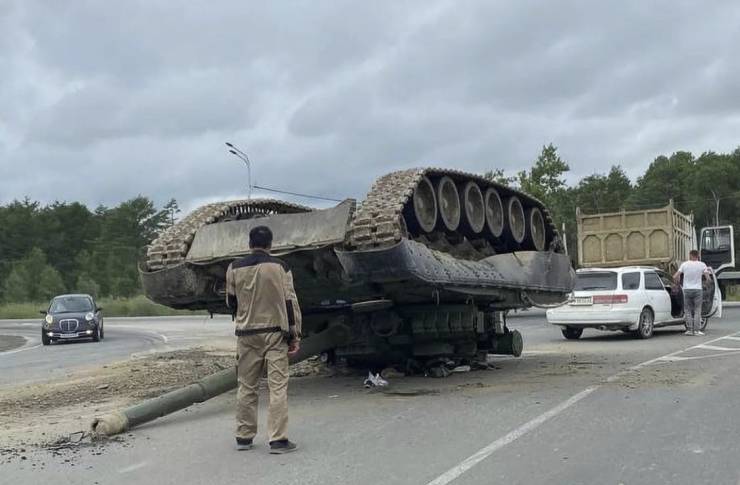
209 387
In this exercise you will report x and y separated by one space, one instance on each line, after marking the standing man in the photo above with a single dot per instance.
260 293
692 271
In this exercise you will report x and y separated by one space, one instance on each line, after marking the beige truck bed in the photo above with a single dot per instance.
654 237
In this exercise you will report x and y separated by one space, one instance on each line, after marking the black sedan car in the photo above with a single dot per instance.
72 317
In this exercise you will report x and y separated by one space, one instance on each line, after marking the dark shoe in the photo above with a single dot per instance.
243 444
282 447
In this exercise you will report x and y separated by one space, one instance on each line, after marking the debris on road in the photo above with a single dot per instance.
35 412
374 380
437 371
310 367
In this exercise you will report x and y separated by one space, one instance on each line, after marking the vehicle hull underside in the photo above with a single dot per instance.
410 278
424 268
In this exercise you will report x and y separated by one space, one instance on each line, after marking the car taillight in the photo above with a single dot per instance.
609 299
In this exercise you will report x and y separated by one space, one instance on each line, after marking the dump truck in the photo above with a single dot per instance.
659 237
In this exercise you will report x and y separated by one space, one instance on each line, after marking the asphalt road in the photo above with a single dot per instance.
124 337
606 409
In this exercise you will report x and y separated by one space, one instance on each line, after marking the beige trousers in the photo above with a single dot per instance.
254 354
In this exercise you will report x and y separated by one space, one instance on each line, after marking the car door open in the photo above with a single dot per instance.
712 297
660 299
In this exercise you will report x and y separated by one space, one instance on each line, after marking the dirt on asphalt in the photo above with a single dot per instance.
56 415
37 411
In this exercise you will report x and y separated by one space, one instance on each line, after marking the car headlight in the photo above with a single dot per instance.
49 319
89 316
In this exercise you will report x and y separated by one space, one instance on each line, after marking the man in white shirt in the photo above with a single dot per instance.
692 270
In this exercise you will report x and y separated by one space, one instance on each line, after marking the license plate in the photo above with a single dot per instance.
582 300
69 335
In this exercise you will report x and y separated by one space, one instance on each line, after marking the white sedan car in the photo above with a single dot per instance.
630 299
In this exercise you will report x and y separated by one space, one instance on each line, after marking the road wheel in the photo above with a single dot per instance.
572 333
102 332
645 327
96 334
45 339
703 325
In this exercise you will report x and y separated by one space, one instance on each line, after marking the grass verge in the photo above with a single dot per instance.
138 306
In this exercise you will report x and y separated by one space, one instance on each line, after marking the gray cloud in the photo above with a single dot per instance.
103 101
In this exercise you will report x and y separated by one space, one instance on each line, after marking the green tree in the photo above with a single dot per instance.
72 228
603 193
546 181
172 209
546 177
499 176
666 178
86 284
125 231
50 284
16 285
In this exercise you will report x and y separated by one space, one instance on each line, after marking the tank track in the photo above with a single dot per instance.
379 221
171 247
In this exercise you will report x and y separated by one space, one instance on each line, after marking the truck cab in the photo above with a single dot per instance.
717 247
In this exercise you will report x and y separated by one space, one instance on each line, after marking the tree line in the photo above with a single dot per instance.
65 246
707 186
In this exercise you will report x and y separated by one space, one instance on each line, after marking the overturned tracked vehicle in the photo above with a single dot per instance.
424 268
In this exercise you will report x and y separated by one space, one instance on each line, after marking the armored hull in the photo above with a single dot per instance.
424 268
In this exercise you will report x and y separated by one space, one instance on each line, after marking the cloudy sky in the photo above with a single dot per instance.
101 101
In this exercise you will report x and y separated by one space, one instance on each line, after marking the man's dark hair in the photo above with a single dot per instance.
260 237
694 253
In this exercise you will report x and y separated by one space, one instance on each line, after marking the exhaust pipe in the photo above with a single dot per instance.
509 343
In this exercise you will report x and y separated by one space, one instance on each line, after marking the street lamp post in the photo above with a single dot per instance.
244 158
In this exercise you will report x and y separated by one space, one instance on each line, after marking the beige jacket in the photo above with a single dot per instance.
260 291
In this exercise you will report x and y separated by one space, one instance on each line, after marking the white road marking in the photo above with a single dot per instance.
678 358
732 338
668 357
22 349
132 468
716 347
455 472
465 465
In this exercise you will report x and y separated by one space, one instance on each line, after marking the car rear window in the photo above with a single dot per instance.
652 282
631 281
606 280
